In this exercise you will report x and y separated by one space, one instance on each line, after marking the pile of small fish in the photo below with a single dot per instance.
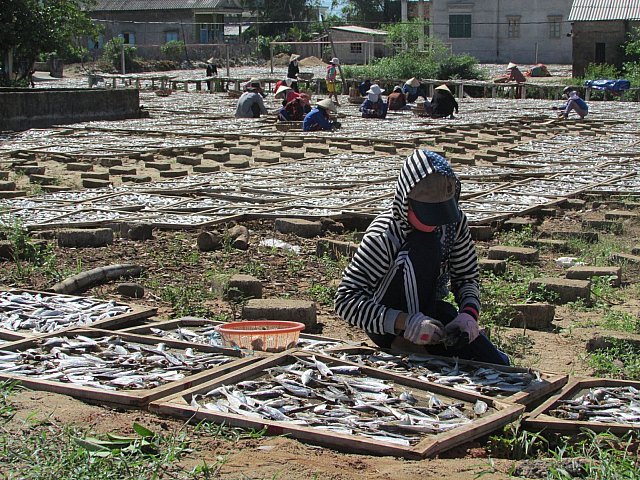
108 362
485 380
603 404
341 399
208 335
48 313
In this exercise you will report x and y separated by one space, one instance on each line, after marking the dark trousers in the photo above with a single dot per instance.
422 250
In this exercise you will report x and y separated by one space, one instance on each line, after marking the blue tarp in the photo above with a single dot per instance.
610 85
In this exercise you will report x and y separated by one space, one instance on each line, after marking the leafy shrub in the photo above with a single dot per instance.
173 50
113 51
595 71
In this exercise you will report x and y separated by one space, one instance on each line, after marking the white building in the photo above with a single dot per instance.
501 31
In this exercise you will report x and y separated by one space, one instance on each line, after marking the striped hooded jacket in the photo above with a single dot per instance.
376 261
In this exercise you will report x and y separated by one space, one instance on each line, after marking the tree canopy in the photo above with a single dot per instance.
32 27
374 12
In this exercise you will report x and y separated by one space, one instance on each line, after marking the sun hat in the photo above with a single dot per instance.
294 56
211 60
335 61
443 87
327 104
511 65
433 200
255 81
375 89
282 89
413 82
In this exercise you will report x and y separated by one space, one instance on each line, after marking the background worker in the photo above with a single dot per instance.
395 286
332 74
250 103
397 100
294 69
319 119
373 106
443 103
573 103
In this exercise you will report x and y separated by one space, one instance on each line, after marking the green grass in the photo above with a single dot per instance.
595 254
621 360
516 238
187 299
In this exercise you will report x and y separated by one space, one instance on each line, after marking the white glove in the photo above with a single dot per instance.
465 323
423 330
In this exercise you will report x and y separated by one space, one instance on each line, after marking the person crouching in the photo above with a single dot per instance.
319 119
374 106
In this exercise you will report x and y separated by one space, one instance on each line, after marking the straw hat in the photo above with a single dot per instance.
294 56
282 89
413 82
255 81
397 88
211 60
375 89
443 87
327 104
511 65
335 61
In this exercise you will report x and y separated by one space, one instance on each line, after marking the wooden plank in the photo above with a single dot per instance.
539 419
117 321
131 398
550 381
180 405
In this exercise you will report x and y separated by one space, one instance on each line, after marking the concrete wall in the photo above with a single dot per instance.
21 109
490 41
587 34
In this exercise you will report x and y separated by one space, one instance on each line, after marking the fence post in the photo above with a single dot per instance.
271 55
227 48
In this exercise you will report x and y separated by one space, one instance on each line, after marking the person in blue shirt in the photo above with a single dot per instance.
363 87
574 103
318 118
412 89
374 106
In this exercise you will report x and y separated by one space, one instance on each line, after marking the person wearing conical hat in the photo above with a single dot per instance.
330 78
443 103
413 89
212 70
513 75
319 119
373 106
293 70
250 103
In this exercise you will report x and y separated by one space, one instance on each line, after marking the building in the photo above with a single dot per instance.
156 22
359 45
599 30
501 31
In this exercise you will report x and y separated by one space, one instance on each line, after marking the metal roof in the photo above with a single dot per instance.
135 5
364 30
602 10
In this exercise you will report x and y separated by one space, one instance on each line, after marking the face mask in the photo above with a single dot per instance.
417 224
373 97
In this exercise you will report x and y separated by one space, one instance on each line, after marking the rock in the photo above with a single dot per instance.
110 162
519 223
94 183
565 290
520 254
140 232
335 249
95 175
79 167
122 170
130 290
136 178
534 316
624 258
574 204
586 272
297 226
481 232
43 179
209 241
30 169
239 236
79 238
621 215
330 225
6 250
496 267
7 186
549 243
589 237
280 309
4 175
611 226
241 287
187 160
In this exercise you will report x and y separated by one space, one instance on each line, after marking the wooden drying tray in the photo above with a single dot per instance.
130 398
180 406
540 419
551 381
193 322
117 321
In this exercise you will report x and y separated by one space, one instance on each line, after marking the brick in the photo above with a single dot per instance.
280 309
567 290
548 243
174 173
298 227
110 162
95 183
238 163
43 179
266 159
460 160
241 287
452 148
586 272
347 145
589 237
520 254
534 316
136 178
147 157
30 169
206 168
496 267
244 151
122 171
7 186
271 147
384 148
295 155
605 225
4 175
217 155
186 160
79 167
292 143
209 241
318 149
574 204
130 290
78 238
161 166
481 232
335 249
139 232
635 250
624 258
487 157
55 188
519 223
95 175
601 342
621 215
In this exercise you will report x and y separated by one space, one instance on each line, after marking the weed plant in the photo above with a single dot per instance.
516 238
621 360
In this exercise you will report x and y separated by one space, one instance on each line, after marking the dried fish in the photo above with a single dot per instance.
602 404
